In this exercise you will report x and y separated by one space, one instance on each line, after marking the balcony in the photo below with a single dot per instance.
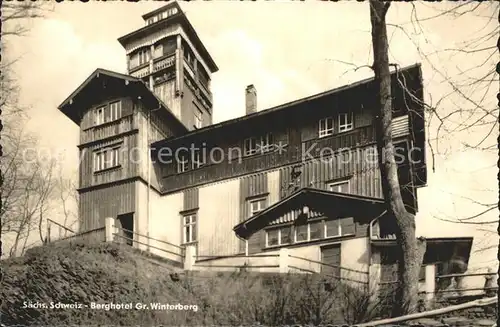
141 72
164 62
199 86
109 129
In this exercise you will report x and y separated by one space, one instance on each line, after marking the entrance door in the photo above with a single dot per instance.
330 256
127 227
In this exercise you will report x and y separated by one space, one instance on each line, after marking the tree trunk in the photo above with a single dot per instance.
410 254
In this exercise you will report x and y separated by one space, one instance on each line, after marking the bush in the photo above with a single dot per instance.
113 273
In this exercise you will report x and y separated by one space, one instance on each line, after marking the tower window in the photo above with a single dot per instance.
116 110
198 118
106 159
99 115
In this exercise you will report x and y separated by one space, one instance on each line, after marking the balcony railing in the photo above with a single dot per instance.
163 62
106 130
144 71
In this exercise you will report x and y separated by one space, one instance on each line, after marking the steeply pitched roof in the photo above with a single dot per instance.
314 198
136 88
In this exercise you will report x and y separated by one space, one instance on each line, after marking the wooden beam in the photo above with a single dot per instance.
432 313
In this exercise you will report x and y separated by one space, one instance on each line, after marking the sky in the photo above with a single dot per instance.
288 50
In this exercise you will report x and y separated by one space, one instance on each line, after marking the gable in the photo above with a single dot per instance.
103 84
308 204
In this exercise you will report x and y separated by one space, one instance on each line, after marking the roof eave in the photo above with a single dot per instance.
243 231
280 107
123 40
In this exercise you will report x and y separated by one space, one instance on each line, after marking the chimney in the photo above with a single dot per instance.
250 99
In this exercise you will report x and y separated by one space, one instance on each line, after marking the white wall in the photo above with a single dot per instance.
219 212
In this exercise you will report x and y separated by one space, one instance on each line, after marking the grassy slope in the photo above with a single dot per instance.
110 273
81 274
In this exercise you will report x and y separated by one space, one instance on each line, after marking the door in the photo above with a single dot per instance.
127 228
330 256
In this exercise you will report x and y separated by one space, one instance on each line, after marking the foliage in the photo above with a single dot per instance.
113 273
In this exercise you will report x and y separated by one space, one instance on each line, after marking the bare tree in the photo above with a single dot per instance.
410 256
27 189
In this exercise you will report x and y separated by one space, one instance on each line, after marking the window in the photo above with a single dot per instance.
189 56
198 160
325 127
345 122
182 165
332 228
107 158
273 237
319 229
340 186
279 236
203 77
99 115
189 228
116 110
260 144
198 118
316 230
286 235
301 233
250 146
266 143
143 56
257 206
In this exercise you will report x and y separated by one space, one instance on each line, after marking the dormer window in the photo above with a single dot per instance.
346 122
326 127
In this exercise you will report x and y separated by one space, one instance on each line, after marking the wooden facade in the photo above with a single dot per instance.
166 104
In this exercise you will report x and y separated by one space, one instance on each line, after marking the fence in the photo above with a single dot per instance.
442 289
254 263
445 287
301 264
161 248
96 235
280 261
